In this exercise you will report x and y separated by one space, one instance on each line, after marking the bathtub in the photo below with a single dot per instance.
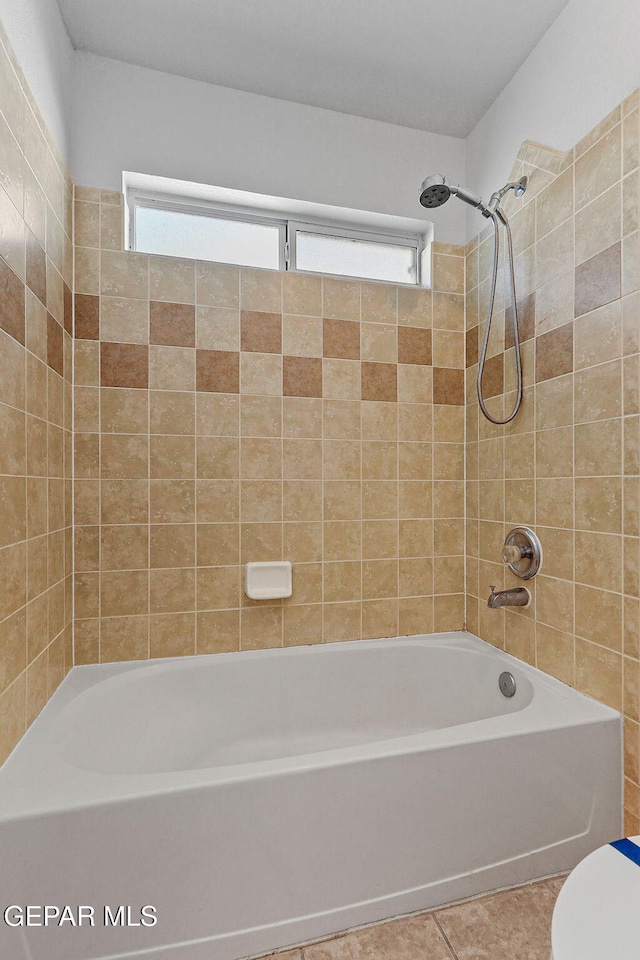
268 798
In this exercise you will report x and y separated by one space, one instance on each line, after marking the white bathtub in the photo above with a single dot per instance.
263 799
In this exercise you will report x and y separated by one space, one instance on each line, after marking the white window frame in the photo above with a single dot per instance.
288 229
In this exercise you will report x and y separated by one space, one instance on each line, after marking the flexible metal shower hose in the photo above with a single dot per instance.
497 217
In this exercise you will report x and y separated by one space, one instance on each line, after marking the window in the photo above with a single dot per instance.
188 230
320 249
202 235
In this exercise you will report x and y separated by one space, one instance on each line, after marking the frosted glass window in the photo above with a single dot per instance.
322 253
201 237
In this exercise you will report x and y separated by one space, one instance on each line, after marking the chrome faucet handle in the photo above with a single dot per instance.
511 553
492 587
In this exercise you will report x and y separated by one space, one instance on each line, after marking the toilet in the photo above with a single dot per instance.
597 913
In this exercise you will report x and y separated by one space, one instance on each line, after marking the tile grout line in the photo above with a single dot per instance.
443 934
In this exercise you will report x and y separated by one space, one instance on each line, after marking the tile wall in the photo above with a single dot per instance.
228 415
224 415
568 464
36 274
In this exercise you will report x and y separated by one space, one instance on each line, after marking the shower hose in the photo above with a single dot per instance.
498 217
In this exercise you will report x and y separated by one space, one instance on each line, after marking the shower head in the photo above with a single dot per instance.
436 190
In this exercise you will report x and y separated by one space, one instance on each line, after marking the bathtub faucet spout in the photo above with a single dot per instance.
517 597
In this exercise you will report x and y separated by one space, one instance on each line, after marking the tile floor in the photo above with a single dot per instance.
512 925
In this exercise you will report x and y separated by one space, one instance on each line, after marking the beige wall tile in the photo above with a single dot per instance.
340 299
261 290
123 275
261 373
218 328
302 336
554 204
302 295
598 392
171 279
599 167
599 224
599 504
599 673
217 285
341 379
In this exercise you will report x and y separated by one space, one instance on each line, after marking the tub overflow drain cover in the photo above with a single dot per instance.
507 684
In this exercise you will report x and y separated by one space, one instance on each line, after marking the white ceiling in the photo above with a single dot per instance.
435 66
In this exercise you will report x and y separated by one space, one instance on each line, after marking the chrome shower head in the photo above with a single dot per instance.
521 188
434 191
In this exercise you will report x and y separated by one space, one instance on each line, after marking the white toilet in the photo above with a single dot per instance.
597 913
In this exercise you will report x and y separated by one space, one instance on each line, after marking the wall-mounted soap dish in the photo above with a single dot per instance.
268 581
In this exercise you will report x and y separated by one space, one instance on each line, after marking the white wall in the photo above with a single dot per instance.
123 117
586 63
130 118
41 44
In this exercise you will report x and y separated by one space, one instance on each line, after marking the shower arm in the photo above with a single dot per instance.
518 187
497 217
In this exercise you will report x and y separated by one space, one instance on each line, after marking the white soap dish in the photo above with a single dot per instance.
268 581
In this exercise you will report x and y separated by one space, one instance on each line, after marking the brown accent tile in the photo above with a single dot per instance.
217 371
55 345
471 346
67 309
341 339
448 385
598 280
554 353
172 324
260 332
124 365
414 345
36 268
12 300
302 377
87 316
379 381
526 321
493 376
